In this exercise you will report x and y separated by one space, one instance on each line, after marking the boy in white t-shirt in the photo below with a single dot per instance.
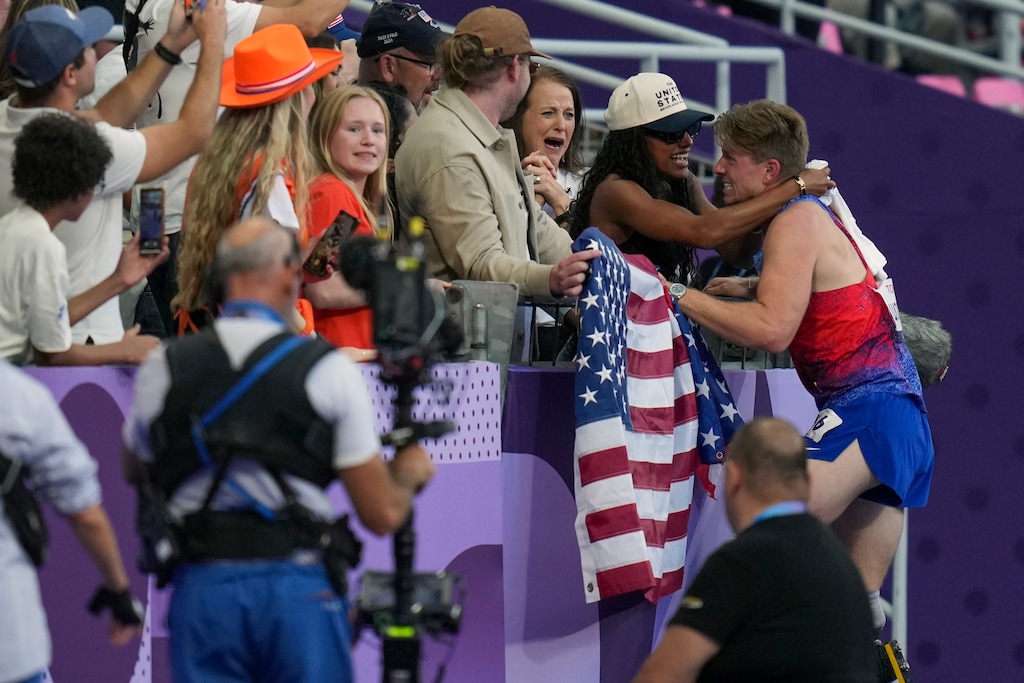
58 162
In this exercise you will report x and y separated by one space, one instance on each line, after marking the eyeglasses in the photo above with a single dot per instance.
432 67
674 136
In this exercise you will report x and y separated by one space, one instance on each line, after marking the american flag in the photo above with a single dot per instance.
653 412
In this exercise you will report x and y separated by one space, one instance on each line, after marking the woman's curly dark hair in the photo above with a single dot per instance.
625 154
84 156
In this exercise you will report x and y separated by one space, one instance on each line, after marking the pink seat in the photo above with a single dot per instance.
951 84
996 91
829 39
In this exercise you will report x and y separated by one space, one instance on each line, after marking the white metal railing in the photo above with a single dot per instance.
1010 13
650 56
685 45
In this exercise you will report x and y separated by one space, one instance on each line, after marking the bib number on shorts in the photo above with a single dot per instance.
827 420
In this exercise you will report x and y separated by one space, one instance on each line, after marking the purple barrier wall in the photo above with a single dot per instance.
935 181
500 512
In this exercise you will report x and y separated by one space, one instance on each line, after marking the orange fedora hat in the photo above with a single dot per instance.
272 64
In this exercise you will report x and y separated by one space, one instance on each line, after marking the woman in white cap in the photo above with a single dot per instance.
256 162
641 193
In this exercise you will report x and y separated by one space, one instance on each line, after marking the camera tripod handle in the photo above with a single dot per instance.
403 436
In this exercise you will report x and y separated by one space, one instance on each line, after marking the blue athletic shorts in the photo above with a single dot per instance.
894 437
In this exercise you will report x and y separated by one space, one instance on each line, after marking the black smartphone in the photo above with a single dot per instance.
151 220
326 251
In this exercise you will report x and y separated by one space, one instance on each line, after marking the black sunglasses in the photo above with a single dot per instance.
676 135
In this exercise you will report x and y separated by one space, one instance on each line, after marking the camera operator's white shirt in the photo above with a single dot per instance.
335 388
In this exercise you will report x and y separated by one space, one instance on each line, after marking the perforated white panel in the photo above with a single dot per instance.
468 394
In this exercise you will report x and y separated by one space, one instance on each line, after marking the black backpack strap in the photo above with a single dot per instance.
22 510
132 23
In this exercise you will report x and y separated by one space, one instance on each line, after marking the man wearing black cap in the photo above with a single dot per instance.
398 45
460 170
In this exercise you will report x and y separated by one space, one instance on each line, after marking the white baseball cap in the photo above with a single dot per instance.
651 100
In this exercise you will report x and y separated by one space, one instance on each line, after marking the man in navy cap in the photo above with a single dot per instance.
50 50
398 45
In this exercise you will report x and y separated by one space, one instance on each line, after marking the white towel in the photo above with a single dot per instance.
875 259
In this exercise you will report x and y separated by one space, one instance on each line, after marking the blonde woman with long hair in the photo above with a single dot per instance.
349 141
257 160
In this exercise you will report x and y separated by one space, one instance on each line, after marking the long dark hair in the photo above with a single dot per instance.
625 154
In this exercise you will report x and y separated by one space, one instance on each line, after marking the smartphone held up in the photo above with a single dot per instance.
326 251
151 220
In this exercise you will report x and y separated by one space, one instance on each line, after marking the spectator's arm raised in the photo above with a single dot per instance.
128 99
311 16
168 144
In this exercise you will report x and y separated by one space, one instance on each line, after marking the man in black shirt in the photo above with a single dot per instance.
781 602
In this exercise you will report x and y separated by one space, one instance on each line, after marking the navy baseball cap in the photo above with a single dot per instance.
46 39
339 30
391 25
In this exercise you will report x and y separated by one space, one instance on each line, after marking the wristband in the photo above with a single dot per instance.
797 178
166 55
125 608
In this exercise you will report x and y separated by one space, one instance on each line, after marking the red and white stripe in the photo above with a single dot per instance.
634 488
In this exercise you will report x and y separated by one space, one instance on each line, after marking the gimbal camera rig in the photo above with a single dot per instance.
411 331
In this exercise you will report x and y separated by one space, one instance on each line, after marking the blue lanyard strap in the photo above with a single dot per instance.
789 507
250 309
229 399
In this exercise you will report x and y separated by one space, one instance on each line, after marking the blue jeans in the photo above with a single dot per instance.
272 621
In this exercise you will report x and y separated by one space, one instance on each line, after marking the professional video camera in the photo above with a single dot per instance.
411 332
410 328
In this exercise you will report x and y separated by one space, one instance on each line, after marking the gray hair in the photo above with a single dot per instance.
264 252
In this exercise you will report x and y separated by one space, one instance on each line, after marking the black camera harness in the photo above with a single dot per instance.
256 531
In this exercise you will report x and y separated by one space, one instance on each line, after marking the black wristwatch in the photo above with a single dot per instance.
567 214
677 290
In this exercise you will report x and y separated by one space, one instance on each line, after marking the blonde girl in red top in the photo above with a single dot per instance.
349 139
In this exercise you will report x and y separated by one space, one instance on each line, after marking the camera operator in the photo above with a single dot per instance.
252 600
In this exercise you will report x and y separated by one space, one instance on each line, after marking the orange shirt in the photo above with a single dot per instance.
346 326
